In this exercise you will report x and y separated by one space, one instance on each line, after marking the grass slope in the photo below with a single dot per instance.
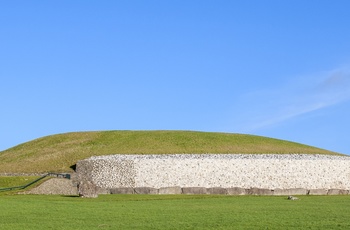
58 152
15 181
9 181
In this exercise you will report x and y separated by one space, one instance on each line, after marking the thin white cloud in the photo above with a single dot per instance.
302 96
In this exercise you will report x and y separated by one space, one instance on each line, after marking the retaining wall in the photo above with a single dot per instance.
212 172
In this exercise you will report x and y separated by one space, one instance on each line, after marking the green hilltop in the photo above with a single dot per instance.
58 153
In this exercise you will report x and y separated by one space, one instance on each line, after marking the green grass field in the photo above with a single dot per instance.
59 152
173 212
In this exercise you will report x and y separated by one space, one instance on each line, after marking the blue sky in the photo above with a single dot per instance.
273 68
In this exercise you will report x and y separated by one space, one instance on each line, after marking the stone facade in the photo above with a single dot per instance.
255 174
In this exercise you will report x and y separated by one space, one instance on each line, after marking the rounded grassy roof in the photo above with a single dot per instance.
60 152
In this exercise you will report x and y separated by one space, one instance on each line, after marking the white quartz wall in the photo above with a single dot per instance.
268 171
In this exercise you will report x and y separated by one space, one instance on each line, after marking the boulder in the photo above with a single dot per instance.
217 190
236 191
103 191
87 189
170 190
145 190
194 190
337 192
122 190
318 192
260 191
291 191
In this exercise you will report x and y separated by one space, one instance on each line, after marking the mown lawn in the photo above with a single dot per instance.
174 212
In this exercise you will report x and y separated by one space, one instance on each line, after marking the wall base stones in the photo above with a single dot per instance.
87 189
237 191
170 190
122 190
145 190
194 190
218 191
232 174
337 192
318 192
292 191
259 191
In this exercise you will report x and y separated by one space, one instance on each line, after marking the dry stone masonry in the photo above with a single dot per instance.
236 174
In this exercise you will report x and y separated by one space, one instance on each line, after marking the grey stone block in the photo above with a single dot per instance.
291 191
145 190
260 191
194 190
102 190
337 192
236 191
87 189
170 190
318 192
217 190
122 190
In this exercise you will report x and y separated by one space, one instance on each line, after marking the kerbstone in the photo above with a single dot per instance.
337 192
217 191
260 191
292 191
103 190
170 190
87 189
145 190
236 191
318 192
194 190
122 190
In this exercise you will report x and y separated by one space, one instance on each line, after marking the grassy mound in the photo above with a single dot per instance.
59 152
